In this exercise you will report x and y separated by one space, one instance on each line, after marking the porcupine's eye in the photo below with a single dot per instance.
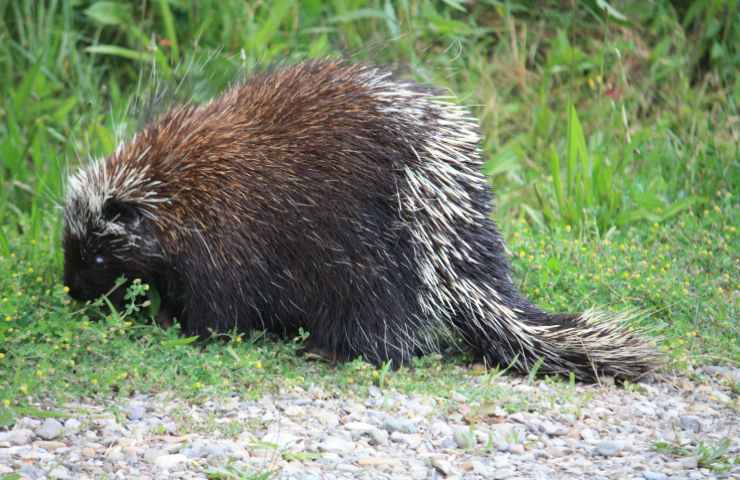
99 261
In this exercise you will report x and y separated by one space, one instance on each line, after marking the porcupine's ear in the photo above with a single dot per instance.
127 219
126 214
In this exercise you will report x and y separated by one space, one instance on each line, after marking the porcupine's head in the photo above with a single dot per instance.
108 230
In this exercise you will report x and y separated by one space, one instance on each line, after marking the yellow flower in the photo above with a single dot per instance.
2 355
6 402
258 364
65 289
23 388
8 318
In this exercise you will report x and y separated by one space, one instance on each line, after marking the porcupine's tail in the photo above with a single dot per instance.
591 345
462 262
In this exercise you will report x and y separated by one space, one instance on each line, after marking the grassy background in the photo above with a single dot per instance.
611 139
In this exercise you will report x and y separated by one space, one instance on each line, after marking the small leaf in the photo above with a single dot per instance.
611 11
176 342
109 13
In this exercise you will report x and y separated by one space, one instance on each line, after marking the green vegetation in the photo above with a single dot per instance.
711 456
611 138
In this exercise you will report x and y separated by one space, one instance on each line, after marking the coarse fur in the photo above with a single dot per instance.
332 197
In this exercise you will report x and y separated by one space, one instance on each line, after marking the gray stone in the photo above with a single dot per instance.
136 411
60 473
18 436
378 437
515 448
609 448
440 429
294 411
336 445
218 449
649 475
448 443
486 471
360 427
502 473
72 426
281 438
690 423
50 429
443 466
31 472
402 425
410 439
167 462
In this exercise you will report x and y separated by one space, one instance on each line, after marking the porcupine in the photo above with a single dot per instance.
332 197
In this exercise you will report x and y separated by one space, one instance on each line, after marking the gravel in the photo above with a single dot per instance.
507 429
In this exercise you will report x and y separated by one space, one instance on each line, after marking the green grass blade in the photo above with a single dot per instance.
169 28
122 52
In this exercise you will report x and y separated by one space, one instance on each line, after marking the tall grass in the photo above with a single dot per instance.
658 134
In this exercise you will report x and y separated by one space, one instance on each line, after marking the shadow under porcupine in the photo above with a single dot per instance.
331 197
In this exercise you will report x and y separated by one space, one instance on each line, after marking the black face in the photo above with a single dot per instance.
120 243
90 271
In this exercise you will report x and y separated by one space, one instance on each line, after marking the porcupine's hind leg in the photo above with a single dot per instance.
368 304
375 316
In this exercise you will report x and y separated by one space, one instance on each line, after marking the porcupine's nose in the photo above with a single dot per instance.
73 291
74 287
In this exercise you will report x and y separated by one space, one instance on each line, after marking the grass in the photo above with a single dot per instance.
610 137
713 456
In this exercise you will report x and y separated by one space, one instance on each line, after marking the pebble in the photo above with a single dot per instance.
60 473
609 448
399 425
281 439
31 472
167 462
690 423
49 444
19 436
378 437
515 448
50 429
444 467
648 475
136 412
336 445
581 431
